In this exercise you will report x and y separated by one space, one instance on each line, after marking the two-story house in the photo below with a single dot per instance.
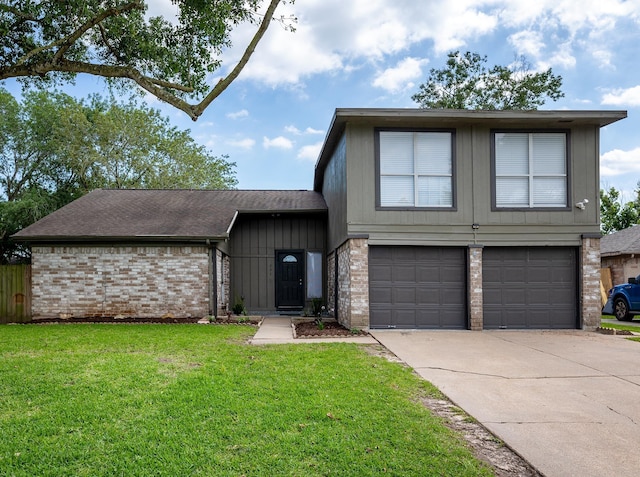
418 219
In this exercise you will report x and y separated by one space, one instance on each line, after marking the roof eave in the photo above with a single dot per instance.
37 239
392 116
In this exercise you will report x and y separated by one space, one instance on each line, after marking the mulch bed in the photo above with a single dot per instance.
331 329
613 331
238 320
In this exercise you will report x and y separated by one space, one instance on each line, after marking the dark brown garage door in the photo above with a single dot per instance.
530 287
417 287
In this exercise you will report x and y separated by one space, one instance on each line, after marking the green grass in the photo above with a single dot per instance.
162 400
619 326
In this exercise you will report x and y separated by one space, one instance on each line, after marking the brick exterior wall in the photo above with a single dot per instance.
353 283
127 281
476 306
590 283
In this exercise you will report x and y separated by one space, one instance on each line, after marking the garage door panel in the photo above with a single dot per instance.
404 296
513 296
426 287
539 296
383 293
405 318
427 296
530 287
382 272
452 275
404 273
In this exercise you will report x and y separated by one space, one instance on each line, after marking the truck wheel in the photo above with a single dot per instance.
621 310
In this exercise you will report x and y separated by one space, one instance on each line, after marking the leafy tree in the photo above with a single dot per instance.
54 148
614 215
466 83
52 41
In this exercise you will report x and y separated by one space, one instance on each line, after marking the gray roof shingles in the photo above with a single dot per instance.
166 214
623 242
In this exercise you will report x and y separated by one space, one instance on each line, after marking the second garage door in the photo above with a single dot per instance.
530 287
417 287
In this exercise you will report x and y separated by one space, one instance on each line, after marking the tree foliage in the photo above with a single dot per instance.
466 83
616 215
54 148
171 58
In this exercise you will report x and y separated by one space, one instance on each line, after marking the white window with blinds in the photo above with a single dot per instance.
530 170
416 169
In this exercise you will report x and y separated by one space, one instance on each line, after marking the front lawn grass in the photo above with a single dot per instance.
163 400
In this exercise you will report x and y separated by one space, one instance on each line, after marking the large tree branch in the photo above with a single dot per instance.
157 87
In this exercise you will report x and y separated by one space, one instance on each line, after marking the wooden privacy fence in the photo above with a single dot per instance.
15 293
605 284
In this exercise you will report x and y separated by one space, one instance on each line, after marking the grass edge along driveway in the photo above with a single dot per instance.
102 400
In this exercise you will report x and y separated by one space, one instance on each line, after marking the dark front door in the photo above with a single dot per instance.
289 279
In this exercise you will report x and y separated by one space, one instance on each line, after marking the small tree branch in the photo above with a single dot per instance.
65 43
225 82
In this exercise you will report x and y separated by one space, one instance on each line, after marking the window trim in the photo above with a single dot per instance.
494 206
454 202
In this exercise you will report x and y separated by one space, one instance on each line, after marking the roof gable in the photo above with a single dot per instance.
163 214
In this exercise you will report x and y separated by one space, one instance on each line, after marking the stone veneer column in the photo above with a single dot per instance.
476 307
590 282
223 278
331 282
353 283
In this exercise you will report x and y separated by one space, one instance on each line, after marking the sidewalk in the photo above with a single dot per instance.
278 330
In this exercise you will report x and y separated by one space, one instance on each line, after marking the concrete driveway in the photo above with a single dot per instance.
567 401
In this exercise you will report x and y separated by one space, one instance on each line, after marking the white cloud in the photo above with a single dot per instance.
623 97
246 143
399 78
291 129
279 142
334 36
527 42
618 162
311 152
243 113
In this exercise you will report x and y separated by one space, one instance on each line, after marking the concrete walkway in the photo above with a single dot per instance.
567 401
278 330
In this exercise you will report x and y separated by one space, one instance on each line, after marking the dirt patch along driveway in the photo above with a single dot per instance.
567 401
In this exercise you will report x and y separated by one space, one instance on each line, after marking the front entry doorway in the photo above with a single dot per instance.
289 279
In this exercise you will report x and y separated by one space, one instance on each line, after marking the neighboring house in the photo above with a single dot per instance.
620 252
420 219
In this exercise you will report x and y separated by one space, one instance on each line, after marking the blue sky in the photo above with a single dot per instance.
374 53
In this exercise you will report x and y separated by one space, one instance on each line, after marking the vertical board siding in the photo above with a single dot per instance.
254 241
15 293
